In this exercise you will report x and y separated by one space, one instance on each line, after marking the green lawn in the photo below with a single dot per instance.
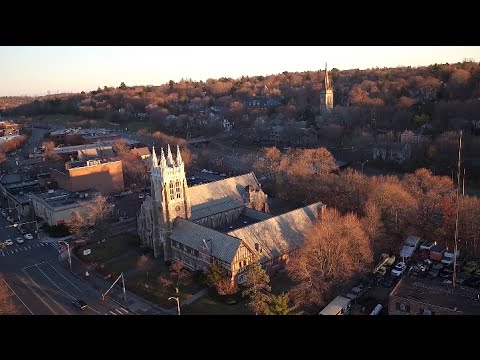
109 249
159 293
154 291
207 305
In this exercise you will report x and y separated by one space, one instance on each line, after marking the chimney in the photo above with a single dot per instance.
257 246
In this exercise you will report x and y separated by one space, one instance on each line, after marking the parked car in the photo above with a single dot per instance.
382 271
9 242
19 240
449 257
9 219
399 269
23 231
356 292
28 236
141 196
80 304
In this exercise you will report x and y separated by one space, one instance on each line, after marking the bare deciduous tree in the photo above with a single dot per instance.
177 275
336 250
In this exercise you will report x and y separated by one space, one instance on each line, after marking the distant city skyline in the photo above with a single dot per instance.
37 71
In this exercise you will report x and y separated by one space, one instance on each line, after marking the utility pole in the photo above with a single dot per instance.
454 278
110 288
463 190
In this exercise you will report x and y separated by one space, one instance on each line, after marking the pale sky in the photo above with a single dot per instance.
35 70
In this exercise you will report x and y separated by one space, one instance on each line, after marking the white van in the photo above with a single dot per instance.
339 306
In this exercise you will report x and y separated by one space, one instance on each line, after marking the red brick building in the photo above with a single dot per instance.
101 175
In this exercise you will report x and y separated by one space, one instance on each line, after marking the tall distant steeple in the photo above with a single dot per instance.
326 93
327 80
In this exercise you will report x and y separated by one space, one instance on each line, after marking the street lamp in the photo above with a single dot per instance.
363 163
68 249
177 299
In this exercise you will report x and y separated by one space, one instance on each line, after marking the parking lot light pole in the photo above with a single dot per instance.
68 249
177 298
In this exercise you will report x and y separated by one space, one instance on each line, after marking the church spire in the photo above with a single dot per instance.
154 157
179 156
163 163
169 156
327 81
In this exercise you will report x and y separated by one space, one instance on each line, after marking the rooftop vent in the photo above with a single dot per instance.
51 191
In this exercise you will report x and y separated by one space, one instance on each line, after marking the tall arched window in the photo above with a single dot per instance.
172 191
178 189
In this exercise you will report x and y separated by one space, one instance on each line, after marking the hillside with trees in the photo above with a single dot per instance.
373 108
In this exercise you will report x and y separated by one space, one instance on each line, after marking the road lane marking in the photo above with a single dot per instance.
38 296
94 310
111 312
118 311
38 286
42 244
29 247
26 267
18 297
58 287
76 287
26 248
124 310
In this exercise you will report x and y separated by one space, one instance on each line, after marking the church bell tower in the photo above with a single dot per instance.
170 196
326 94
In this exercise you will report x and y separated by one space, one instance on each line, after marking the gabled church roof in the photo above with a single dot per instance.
219 196
280 234
224 247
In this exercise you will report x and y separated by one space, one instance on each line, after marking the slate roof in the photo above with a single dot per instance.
224 247
219 196
280 234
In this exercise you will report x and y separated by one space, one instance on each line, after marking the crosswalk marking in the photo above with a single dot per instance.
19 249
120 311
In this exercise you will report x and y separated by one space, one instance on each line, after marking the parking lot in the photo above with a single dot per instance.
428 260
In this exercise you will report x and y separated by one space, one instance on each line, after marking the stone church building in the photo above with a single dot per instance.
224 222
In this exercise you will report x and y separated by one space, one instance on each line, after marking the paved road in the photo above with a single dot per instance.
41 285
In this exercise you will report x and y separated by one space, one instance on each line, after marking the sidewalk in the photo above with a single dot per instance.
134 303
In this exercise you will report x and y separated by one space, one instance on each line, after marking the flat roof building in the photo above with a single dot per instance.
56 206
105 176
419 296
